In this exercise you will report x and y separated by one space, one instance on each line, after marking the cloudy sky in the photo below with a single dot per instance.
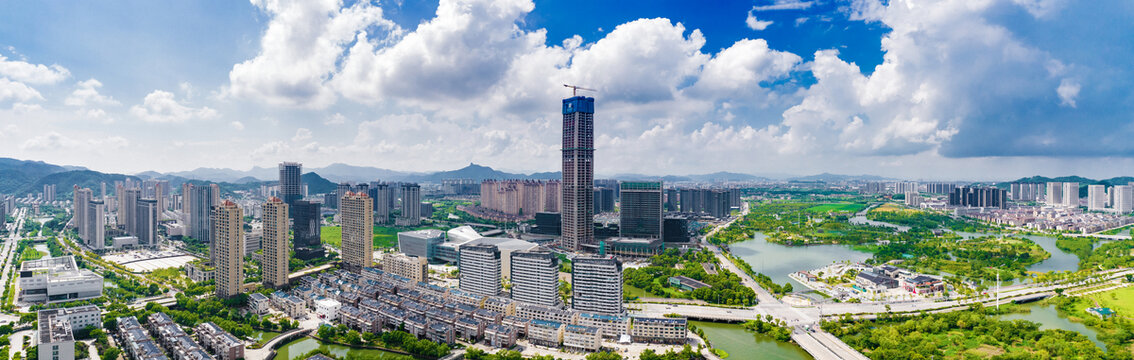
941 89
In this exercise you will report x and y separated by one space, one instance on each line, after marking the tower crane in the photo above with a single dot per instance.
575 89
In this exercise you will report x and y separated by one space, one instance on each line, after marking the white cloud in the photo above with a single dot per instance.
300 49
23 71
22 108
161 107
301 134
335 119
86 94
742 66
16 90
1068 90
54 141
866 10
756 24
784 5
237 125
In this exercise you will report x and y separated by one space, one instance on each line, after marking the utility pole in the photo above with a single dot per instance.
997 289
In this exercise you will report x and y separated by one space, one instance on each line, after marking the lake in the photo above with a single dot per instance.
743 345
777 261
1059 260
297 348
1049 318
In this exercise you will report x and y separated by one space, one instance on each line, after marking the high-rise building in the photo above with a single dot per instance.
146 222
157 190
1096 197
603 200
79 208
358 230
597 285
306 224
978 197
49 192
128 209
291 181
578 172
89 218
411 206
1054 194
535 276
1123 198
640 210
939 188
380 192
1071 194
520 198
480 269
670 199
228 249
903 187
273 266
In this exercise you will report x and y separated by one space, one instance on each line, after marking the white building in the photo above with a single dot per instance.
535 277
57 326
1096 197
1123 199
1054 194
480 269
57 280
1071 194
597 285
327 309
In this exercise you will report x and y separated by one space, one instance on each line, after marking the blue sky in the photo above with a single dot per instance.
980 89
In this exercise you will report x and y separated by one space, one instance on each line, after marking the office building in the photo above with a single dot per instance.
1096 197
535 276
382 199
675 229
306 222
146 222
547 223
603 200
480 269
412 267
49 193
597 285
608 184
57 280
358 230
1071 194
228 249
640 213
670 199
1123 198
420 243
411 205
291 182
578 172
128 209
274 262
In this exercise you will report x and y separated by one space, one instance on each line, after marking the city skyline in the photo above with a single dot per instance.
753 87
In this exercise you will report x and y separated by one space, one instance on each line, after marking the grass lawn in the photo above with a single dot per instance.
890 207
1120 300
384 236
840 207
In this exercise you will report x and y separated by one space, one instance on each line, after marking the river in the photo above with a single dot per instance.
777 261
743 345
1049 318
297 348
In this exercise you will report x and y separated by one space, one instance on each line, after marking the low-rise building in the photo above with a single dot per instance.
874 283
658 330
413 267
198 271
686 283
501 305
174 339
416 325
922 284
327 308
612 326
582 338
441 333
528 311
57 326
136 342
501 336
259 303
220 342
469 329
57 279
545 333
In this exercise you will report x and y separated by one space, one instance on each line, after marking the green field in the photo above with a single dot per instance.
841 207
1120 300
384 236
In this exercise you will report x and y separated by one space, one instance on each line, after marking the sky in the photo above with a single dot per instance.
917 89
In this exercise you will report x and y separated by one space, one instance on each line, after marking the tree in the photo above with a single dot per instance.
604 356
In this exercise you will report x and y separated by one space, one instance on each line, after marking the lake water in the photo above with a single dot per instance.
862 220
1049 318
297 348
777 261
1059 260
743 345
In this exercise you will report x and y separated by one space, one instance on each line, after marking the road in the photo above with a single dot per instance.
8 251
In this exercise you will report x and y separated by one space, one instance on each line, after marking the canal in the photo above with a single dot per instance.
744 345
1049 318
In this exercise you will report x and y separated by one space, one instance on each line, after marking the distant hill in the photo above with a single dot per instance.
342 172
475 172
315 184
15 174
65 182
828 177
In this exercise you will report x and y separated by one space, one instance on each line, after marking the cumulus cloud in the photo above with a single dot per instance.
53 141
16 90
86 94
299 50
754 23
335 119
161 107
237 125
1068 90
26 72
301 134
